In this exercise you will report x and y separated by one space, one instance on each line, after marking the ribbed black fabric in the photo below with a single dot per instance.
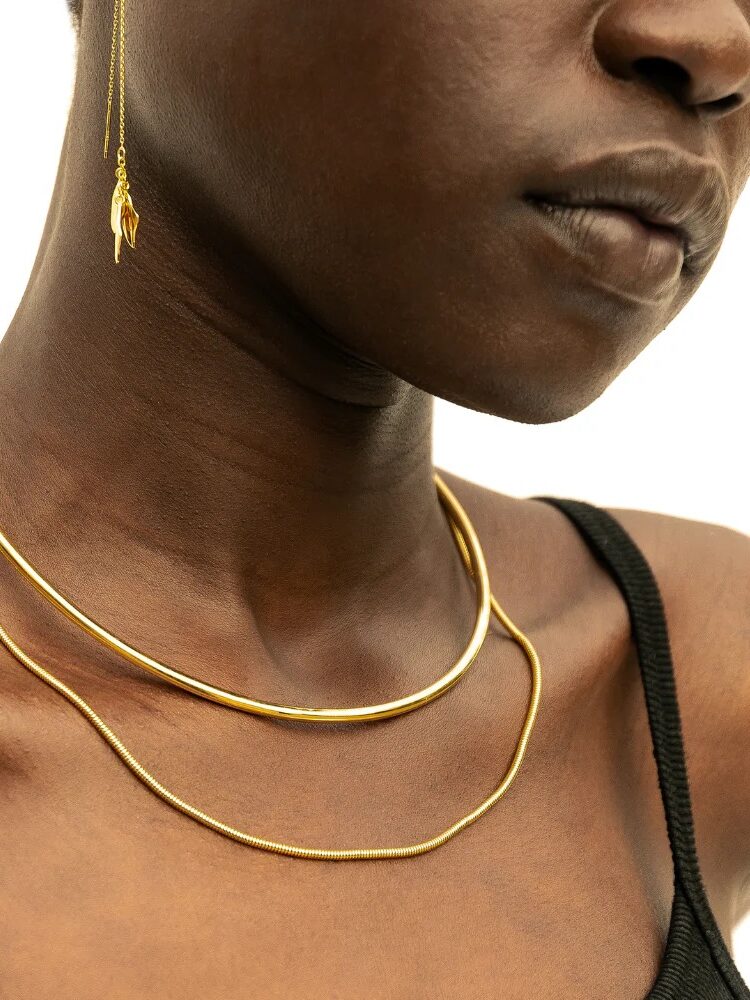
697 964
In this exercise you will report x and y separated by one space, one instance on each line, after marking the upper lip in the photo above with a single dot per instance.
661 186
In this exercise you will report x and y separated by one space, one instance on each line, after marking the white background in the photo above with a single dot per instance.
670 435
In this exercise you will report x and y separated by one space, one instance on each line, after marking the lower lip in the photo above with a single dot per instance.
618 250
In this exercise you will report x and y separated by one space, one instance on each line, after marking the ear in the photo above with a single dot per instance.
75 7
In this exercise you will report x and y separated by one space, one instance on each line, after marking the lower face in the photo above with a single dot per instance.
378 158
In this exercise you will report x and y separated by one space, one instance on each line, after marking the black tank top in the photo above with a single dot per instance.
696 964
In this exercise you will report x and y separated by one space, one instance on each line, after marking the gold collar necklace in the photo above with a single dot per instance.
473 559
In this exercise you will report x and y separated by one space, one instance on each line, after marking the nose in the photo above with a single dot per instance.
697 51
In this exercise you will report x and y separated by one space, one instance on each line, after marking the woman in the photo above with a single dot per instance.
220 450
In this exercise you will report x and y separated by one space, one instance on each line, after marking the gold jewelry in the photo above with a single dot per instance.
473 558
294 850
123 217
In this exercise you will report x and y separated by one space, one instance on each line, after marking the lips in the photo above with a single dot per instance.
669 193
582 211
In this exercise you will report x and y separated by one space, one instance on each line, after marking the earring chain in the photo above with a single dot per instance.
118 29
123 216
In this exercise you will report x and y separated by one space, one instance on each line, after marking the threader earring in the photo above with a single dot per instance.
123 217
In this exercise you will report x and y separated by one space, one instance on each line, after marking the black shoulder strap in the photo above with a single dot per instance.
615 547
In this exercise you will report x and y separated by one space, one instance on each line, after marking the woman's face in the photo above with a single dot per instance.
382 158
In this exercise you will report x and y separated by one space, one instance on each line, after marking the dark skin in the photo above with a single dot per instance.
222 450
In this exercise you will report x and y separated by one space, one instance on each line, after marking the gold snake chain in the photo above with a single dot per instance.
295 850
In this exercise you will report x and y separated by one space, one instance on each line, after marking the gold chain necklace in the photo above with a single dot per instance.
471 552
294 850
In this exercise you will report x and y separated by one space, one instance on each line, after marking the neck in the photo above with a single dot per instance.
179 418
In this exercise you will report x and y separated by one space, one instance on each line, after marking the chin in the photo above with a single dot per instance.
537 373
545 399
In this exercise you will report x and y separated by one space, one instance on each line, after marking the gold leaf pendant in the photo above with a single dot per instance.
123 216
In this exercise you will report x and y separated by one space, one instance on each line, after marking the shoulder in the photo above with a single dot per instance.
703 573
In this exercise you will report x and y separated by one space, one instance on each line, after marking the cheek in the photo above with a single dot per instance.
344 110
373 157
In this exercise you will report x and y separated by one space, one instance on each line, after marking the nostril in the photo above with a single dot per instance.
696 53
665 74
714 109
672 78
